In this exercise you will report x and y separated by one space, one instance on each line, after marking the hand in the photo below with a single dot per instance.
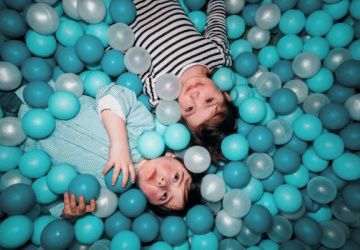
72 210
119 159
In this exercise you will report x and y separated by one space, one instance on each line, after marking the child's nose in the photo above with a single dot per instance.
194 94
161 181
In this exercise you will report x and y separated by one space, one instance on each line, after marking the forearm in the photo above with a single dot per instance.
216 21
115 127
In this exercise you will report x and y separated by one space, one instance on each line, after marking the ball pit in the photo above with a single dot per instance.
290 178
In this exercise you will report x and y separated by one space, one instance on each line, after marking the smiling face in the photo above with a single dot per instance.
200 99
165 182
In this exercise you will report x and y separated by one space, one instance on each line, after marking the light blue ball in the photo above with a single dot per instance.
224 78
43 194
40 45
15 231
200 219
236 174
112 63
125 240
239 46
99 30
117 188
307 127
267 201
340 35
292 21
246 64
288 198
64 105
317 45
313 162
329 146
146 226
89 49
254 189
15 52
338 9
321 189
235 26
68 32
115 223
38 123
347 166
35 163
131 81
198 18
173 230
68 61
318 23
354 7
132 203
88 229
322 214
39 224
95 80
86 185
59 177
273 181
151 145
289 46
122 11
36 69
252 110
161 245
177 136
268 56
207 241
299 178
248 13
234 147
321 82
9 157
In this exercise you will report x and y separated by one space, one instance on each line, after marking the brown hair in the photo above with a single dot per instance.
212 131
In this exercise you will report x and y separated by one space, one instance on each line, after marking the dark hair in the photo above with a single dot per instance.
212 131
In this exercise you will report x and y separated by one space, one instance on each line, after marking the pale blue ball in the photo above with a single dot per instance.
267 201
292 21
15 231
288 198
151 145
313 162
68 32
64 105
38 123
235 26
198 18
254 189
318 23
252 110
207 241
59 177
173 230
307 127
340 35
268 56
132 203
95 80
299 178
317 45
224 78
35 163
40 45
329 146
42 191
125 240
235 147
177 136
88 229
321 82
289 46
347 166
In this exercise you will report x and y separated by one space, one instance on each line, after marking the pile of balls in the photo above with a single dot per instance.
292 176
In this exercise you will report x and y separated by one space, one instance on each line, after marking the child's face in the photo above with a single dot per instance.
165 182
199 100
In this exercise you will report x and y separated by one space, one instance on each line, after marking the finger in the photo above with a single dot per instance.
125 176
92 205
115 174
107 167
72 203
66 199
81 206
132 173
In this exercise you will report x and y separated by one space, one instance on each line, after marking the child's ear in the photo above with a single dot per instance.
169 154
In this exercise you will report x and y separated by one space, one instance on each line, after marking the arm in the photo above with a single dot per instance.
72 210
216 22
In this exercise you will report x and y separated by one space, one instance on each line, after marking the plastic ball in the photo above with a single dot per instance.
212 188
236 174
281 130
39 224
247 237
35 163
36 69
288 198
176 136
43 194
226 224
12 23
64 105
91 11
38 123
130 81
260 165
318 23
59 177
146 226
283 101
37 93
115 223
15 52
173 230
350 135
207 241
307 127
329 146
267 84
234 6
168 87
246 64
352 106
346 166
197 159
332 235
234 147
336 57
351 195
254 189
11 132
236 203
198 18
347 73
40 45
70 82
117 188
321 189
199 219
321 81
160 245
340 35
235 26
17 199
112 63
299 178
68 61
292 21
286 160
343 212
299 88
95 80
289 46
68 32
89 49
42 18
86 185
273 181
106 203
125 240
229 244
168 112
268 56
122 11
317 45
281 230
258 219
239 46
151 145
88 229
314 102
249 13
224 78
334 116
252 110
257 37
57 234
306 64
267 16
132 203
137 60
337 9
15 231
260 139
120 36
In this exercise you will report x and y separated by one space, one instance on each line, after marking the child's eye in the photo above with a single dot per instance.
164 196
208 100
188 109
176 177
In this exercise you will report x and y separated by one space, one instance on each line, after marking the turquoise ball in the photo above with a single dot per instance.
64 105
177 136
15 231
288 198
38 123
132 203
40 45
198 18
35 163
207 241
307 127
318 23
329 146
59 177
252 110
347 166
151 145
86 185
235 147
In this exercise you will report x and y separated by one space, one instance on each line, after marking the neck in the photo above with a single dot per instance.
194 71
139 165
